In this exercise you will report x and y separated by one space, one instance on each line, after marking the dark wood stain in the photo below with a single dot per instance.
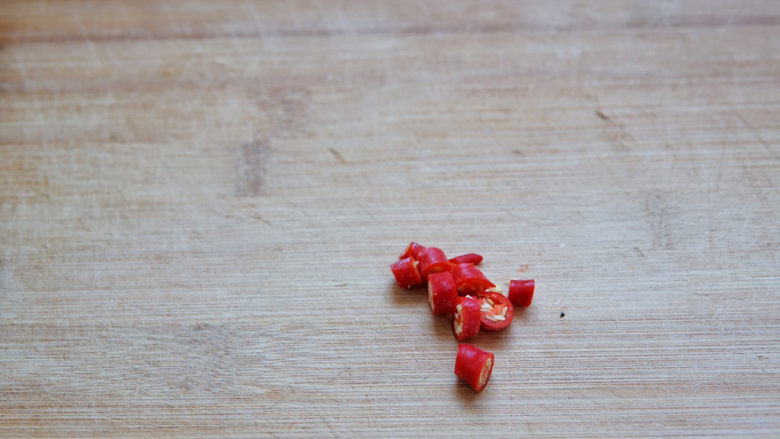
251 159
337 155
413 30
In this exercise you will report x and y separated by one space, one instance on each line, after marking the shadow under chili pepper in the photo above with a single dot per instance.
415 296
465 393
493 341
442 327
524 314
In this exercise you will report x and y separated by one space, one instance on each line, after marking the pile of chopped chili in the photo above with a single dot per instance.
458 288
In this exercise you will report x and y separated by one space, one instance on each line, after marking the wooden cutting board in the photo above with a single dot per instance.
199 202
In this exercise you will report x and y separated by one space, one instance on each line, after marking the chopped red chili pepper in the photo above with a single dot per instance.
497 311
466 320
413 250
474 365
521 292
406 273
468 258
469 279
433 260
442 294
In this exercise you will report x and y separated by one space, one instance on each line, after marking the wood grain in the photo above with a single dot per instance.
199 202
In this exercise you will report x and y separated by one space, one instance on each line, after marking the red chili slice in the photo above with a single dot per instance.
413 250
406 273
468 258
469 279
474 366
466 320
497 311
432 260
521 292
442 294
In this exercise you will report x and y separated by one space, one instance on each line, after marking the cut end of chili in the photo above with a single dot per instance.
521 292
467 318
487 370
474 365
406 273
496 311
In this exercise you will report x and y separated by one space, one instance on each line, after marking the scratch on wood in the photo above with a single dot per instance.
639 252
257 217
755 134
330 427
251 160
288 109
658 215
621 136
337 155
758 180
208 352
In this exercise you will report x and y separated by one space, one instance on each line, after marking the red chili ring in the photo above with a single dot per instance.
406 273
496 311
521 292
467 318
469 279
433 260
442 294
413 250
474 365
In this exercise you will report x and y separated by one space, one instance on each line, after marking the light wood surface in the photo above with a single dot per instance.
199 202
